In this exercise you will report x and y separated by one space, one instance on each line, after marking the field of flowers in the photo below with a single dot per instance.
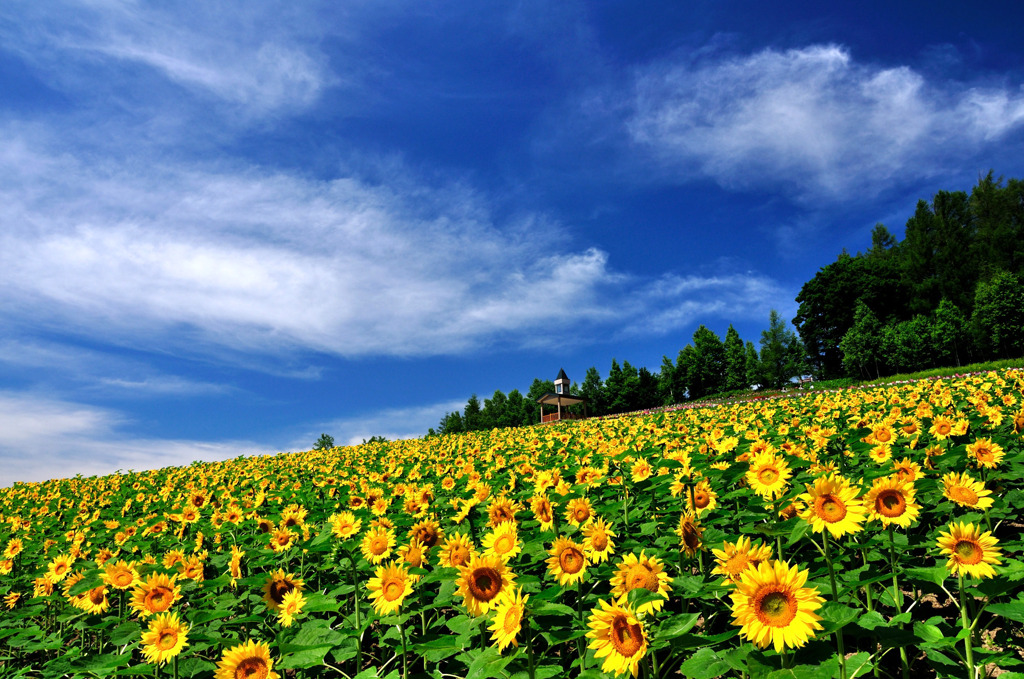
852 533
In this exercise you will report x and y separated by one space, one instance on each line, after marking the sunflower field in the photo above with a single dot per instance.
862 532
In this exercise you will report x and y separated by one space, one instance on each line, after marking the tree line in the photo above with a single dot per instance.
948 294
705 367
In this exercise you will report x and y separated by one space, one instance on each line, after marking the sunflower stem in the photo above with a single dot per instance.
968 642
529 647
840 646
405 659
174 664
897 598
579 617
355 603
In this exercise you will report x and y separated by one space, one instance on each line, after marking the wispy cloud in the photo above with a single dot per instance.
811 121
258 58
43 438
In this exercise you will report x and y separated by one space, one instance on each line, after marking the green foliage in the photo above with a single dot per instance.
325 442
782 354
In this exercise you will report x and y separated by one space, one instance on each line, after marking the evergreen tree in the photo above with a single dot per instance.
515 409
614 387
735 361
593 390
472 416
685 370
648 389
670 389
782 354
753 365
860 344
948 333
708 371
998 318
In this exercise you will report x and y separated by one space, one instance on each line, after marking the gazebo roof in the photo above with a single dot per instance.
560 399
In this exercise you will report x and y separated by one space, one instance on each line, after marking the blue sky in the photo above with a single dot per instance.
228 227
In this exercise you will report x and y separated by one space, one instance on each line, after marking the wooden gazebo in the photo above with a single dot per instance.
560 398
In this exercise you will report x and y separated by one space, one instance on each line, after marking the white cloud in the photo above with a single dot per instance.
43 438
260 58
259 261
811 120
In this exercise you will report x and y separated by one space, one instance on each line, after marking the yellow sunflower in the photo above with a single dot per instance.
414 555
970 551
164 639
942 428
736 557
428 532
701 499
278 585
768 475
618 636
120 575
579 511
508 617
481 581
291 606
502 509
543 511
155 594
345 524
773 607
891 501
690 532
388 588
567 563
377 544
503 541
281 539
832 503
965 491
634 572
985 453
598 544
250 660
59 567
456 551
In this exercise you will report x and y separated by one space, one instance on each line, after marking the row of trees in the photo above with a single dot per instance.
949 293
705 367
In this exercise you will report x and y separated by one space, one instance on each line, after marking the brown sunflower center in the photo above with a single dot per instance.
830 508
984 455
278 589
599 541
963 495
544 513
968 552
60 569
123 579
459 555
158 599
97 594
943 428
484 583
581 513
701 499
167 639
890 503
570 560
775 608
252 668
393 589
378 545
627 637
768 475
642 576
427 536
883 435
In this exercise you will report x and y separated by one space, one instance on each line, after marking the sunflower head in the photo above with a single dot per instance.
831 503
503 541
277 586
891 501
481 581
773 607
250 660
164 639
568 562
635 572
155 594
508 617
618 636
970 551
